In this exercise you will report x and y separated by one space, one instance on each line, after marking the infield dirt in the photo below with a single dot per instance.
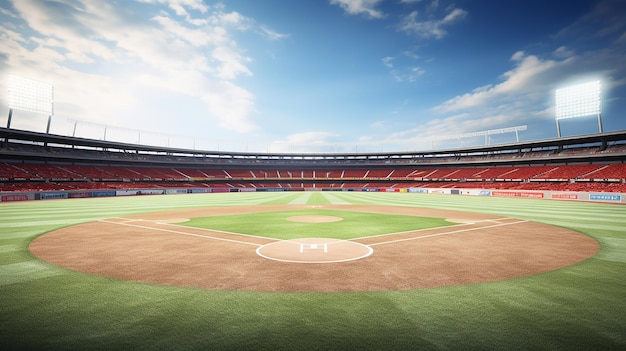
151 248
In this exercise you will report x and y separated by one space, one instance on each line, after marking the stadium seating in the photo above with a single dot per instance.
12 171
378 173
24 176
494 173
612 171
568 172
45 171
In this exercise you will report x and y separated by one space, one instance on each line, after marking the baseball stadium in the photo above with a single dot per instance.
109 245
313 175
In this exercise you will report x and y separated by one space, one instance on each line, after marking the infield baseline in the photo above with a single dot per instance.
448 233
181 232
157 225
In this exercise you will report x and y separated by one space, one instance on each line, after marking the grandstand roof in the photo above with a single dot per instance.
73 149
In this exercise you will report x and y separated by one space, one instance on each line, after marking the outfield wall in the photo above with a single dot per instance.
535 194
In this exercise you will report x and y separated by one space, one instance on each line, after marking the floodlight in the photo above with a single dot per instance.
30 95
578 101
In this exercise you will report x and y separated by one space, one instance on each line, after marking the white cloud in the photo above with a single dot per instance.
430 28
411 54
360 7
519 80
522 95
232 102
410 74
7 35
195 36
233 19
606 19
388 61
271 34
311 138
232 64
405 74
518 56
414 73
441 132
125 55
181 7
307 142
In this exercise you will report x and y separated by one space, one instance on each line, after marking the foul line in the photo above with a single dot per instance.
181 233
447 233
195 228
220 231
427 229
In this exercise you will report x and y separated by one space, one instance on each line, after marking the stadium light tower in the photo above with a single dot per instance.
32 96
579 101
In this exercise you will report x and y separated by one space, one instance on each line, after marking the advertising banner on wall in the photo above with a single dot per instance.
52 196
473 192
605 197
102 193
199 190
79 194
176 191
140 192
513 193
564 196
17 197
220 190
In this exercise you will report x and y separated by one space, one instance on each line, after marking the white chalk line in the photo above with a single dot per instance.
126 223
331 241
196 228
313 247
180 233
220 231
427 229
448 233
368 253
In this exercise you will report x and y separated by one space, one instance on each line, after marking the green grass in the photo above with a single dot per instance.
353 224
43 307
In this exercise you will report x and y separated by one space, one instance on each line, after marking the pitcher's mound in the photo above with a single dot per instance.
314 250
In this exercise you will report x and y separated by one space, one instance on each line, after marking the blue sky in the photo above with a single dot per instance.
313 75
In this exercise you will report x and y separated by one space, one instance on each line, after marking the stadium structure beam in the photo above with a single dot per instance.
485 133
9 119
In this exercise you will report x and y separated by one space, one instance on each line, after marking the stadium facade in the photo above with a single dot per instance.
46 166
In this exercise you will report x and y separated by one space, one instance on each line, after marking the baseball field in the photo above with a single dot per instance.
312 271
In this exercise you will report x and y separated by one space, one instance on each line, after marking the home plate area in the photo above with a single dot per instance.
314 250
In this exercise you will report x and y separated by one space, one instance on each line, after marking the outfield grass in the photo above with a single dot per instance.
352 225
581 307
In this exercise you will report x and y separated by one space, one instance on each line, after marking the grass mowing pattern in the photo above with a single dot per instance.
576 308
354 224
